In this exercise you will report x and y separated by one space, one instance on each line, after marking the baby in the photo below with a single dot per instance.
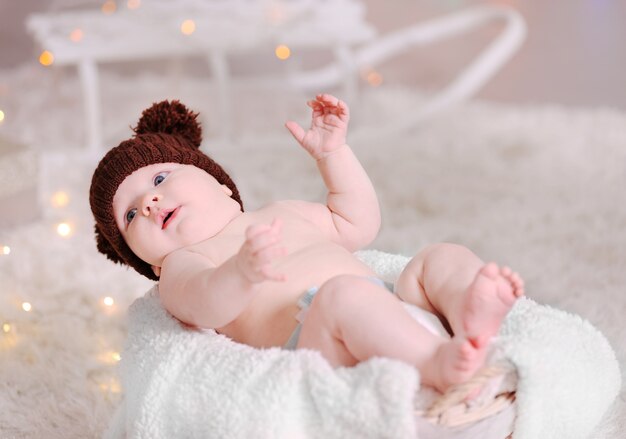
172 213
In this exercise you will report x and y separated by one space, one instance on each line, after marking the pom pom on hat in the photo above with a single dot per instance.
170 118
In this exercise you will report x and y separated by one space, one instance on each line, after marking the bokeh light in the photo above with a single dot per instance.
111 386
64 229
60 199
282 52
76 35
374 78
109 357
188 27
46 58
109 7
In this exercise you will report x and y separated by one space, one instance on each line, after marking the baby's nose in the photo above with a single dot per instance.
149 203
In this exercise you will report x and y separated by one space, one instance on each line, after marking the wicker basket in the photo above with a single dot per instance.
482 407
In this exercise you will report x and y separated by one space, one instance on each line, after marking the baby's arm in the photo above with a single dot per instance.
197 292
351 200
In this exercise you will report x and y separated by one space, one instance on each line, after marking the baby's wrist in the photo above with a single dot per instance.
326 154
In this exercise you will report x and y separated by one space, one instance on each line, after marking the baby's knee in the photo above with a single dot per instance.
435 252
439 248
339 293
410 283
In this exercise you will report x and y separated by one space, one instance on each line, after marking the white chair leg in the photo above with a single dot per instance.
88 71
221 73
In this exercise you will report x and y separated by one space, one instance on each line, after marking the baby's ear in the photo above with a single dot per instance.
156 270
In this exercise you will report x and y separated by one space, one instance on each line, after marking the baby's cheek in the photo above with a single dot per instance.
144 246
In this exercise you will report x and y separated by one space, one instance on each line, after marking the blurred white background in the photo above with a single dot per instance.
575 53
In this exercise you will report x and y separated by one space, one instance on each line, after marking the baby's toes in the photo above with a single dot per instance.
511 277
490 270
518 284
466 350
506 272
465 356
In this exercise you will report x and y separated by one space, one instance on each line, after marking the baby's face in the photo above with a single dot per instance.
167 206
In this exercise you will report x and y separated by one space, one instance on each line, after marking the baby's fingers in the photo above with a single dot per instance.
268 254
333 105
296 130
327 99
257 230
270 274
262 241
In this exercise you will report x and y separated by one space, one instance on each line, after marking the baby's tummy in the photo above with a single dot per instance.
269 320
314 265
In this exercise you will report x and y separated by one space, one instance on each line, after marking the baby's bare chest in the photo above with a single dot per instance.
310 256
296 234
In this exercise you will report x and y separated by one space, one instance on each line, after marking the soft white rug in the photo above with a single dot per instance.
538 188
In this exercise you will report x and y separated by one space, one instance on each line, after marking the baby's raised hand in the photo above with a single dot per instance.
329 125
262 246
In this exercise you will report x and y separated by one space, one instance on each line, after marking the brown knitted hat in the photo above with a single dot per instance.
167 132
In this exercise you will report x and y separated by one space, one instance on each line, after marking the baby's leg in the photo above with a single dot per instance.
472 296
352 319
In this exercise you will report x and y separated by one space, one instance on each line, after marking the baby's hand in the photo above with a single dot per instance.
329 126
262 246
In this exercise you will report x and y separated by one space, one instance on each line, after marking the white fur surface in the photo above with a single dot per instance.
181 382
568 373
540 188
187 383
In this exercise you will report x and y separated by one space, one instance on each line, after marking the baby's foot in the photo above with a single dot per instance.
488 300
455 362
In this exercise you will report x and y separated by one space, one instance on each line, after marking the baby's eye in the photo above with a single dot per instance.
130 215
158 179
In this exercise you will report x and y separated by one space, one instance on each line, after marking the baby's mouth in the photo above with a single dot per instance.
169 217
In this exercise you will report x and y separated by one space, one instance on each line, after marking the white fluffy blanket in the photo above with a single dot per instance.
180 382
